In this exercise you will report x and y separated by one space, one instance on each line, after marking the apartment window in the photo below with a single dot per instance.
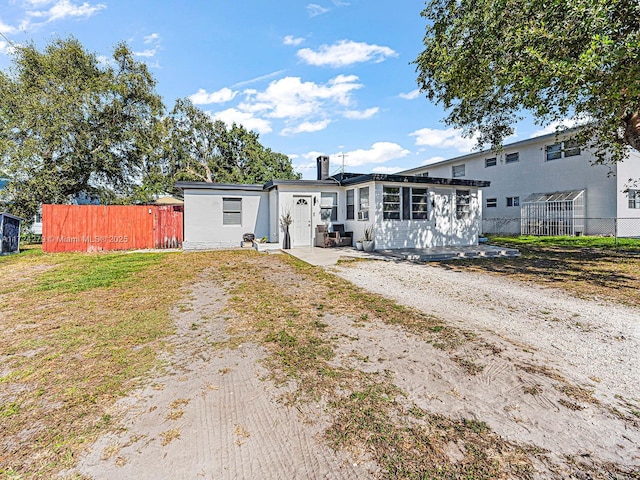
512 157
419 204
363 203
457 171
492 202
490 162
329 207
513 201
571 148
634 198
232 211
391 203
351 204
554 151
463 204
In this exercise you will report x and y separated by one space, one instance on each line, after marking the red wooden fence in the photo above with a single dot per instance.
91 228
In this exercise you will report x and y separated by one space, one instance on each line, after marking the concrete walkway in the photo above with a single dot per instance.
330 256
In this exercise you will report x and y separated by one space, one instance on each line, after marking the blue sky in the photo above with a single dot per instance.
324 77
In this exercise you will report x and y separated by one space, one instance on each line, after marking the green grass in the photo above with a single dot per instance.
631 244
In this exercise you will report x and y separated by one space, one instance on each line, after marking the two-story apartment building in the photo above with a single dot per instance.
548 186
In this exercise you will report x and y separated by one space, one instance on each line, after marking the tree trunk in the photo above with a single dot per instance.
631 124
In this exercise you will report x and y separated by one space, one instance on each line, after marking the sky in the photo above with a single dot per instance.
320 77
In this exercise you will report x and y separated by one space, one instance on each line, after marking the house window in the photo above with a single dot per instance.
490 162
232 211
457 171
554 151
391 203
363 203
419 204
492 202
463 204
513 201
512 157
329 207
634 198
351 204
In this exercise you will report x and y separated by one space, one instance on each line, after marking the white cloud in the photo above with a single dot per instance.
388 170
291 40
345 52
202 97
247 120
315 10
410 95
447 138
431 160
380 152
63 9
7 29
153 38
361 114
306 127
149 53
553 126
291 98
4 48
258 79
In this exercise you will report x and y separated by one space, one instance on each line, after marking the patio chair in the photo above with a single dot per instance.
324 238
343 239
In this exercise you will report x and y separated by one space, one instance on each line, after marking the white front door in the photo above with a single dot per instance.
301 235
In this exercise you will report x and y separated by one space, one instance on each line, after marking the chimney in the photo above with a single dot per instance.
323 167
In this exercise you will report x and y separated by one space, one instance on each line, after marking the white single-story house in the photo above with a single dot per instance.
405 211
548 186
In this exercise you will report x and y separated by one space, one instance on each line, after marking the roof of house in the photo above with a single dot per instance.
341 179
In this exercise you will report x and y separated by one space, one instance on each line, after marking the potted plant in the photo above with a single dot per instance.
285 220
367 242
359 244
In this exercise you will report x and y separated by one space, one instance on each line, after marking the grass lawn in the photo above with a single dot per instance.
79 331
588 267
76 331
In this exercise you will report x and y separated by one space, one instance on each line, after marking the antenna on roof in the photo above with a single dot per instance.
342 155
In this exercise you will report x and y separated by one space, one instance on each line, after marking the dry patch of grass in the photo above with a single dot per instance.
76 331
281 302
604 274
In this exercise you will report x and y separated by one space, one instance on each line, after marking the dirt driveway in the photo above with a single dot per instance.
540 376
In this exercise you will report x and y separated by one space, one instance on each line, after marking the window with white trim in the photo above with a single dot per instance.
363 203
512 157
570 148
553 152
419 204
351 204
490 162
463 204
232 211
492 202
513 201
634 198
391 203
457 171
329 206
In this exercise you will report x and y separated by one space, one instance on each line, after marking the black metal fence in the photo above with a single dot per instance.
603 227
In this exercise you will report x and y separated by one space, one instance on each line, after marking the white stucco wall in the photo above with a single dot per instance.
203 228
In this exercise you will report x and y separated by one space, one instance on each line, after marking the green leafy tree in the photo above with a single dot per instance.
201 149
488 61
70 125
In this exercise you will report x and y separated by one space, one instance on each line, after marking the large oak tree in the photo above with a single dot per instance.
491 61
72 125
202 149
